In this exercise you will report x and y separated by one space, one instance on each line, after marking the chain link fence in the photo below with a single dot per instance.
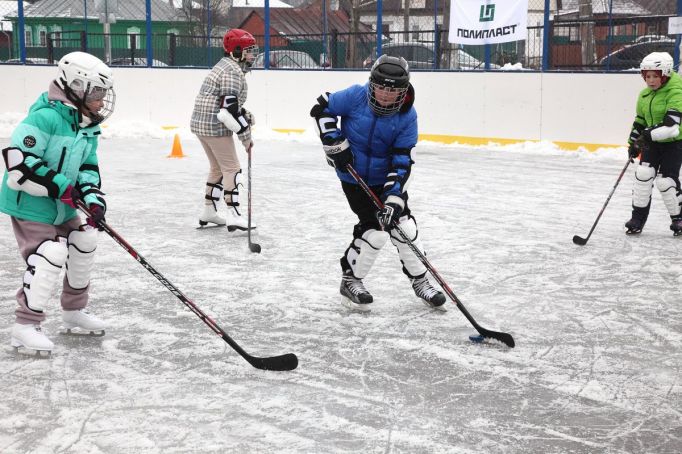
574 35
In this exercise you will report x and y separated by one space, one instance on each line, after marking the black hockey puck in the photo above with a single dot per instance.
477 338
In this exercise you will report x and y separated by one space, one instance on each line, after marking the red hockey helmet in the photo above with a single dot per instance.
239 44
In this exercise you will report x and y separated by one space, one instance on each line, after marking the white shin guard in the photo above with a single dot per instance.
81 260
41 276
644 182
214 191
364 251
409 259
669 194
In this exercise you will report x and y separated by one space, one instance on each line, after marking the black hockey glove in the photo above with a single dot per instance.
389 214
337 152
392 210
638 146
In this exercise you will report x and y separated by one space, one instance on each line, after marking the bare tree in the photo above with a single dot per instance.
587 44
354 7
198 14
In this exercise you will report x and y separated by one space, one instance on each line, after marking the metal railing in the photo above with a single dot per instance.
590 39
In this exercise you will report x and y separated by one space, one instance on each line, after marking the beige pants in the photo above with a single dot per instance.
223 165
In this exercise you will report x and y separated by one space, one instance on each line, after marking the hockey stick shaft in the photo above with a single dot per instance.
502 337
287 361
582 241
253 247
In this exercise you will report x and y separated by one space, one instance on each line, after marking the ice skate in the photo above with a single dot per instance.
82 323
30 340
676 227
210 216
236 221
634 227
428 294
355 295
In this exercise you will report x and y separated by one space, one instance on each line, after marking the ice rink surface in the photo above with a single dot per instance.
598 328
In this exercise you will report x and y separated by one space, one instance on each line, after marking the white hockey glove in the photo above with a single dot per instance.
231 115
250 118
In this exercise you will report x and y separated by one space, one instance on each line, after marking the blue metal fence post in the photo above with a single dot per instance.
22 34
85 23
609 36
148 18
380 22
266 32
209 27
676 57
545 37
324 31
436 37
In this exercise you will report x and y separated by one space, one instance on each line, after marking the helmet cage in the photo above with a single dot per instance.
85 79
240 45
389 81
385 100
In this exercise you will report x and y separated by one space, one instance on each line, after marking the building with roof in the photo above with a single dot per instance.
305 29
53 28
628 21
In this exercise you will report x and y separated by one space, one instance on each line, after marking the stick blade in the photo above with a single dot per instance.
254 247
285 362
579 240
505 338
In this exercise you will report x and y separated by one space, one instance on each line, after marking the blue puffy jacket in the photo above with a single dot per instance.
380 145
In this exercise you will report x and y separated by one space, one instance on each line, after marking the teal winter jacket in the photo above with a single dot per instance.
57 153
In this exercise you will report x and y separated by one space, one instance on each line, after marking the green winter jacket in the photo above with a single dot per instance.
57 153
652 105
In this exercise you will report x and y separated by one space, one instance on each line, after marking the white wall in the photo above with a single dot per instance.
567 109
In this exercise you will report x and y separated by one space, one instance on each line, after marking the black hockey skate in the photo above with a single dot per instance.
634 226
356 296
676 227
428 294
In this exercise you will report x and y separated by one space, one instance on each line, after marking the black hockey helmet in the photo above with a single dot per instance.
390 75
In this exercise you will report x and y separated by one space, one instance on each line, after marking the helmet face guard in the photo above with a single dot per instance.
388 84
88 84
241 46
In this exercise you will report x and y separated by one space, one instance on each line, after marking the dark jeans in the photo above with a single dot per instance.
364 208
665 159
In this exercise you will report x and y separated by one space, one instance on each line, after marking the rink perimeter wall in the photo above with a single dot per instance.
570 110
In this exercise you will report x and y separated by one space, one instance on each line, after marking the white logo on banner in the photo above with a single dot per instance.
487 21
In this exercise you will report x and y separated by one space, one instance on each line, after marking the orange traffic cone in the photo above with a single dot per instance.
176 151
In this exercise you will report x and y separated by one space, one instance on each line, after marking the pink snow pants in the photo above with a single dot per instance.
29 236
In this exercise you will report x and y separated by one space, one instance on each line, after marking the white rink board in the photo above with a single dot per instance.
571 107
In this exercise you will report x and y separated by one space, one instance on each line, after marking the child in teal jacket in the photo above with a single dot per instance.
50 163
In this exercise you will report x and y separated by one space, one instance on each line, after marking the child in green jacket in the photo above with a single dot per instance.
52 162
657 140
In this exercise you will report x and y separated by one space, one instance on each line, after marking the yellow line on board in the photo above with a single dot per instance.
286 131
464 140
492 140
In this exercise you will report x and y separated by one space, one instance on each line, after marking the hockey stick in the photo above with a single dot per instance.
253 247
502 337
288 361
583 241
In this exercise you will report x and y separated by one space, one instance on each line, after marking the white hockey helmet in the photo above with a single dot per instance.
84 79
657 61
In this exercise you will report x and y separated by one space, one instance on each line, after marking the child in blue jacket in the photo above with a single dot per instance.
378 132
